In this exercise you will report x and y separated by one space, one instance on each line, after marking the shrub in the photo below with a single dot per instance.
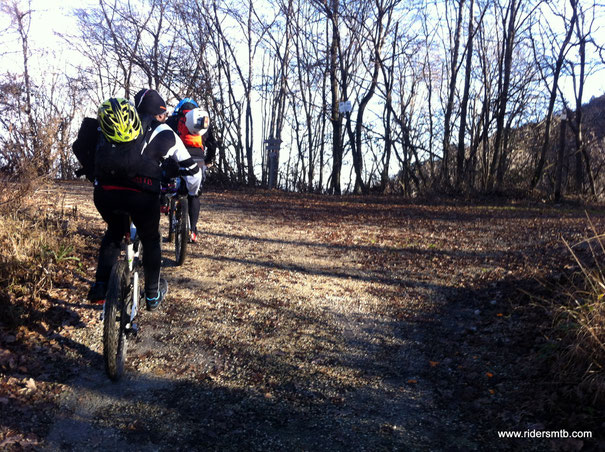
581 319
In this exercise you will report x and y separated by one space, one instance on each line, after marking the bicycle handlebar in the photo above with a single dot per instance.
175 185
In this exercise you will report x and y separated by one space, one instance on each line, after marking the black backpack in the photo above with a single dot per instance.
85 147
120 161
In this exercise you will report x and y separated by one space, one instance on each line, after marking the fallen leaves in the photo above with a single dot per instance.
30 385
25 442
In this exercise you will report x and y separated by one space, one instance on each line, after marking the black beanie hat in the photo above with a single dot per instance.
149 102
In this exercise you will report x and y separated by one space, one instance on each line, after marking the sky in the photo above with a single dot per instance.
52 17
50 50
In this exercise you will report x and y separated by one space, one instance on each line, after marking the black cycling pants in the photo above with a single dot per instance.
144 210
194 211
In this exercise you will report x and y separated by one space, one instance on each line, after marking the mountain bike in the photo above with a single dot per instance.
124 294
178 217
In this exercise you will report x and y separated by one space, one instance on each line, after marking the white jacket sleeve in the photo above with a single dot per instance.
188 167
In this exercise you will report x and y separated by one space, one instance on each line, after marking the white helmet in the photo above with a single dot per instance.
197 121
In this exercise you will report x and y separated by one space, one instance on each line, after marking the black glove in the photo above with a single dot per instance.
170 168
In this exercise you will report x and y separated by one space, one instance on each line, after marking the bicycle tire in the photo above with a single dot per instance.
181 236
115 320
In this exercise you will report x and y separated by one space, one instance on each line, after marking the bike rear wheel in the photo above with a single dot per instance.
181 236
115 320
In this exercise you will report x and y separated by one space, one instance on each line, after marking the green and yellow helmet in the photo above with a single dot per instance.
119 120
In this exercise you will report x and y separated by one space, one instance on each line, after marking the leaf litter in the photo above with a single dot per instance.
302 322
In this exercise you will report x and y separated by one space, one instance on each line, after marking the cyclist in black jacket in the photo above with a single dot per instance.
138 195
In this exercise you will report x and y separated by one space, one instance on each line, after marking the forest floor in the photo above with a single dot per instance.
303 322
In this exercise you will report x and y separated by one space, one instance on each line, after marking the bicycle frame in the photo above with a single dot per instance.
179 224
131 255
172 189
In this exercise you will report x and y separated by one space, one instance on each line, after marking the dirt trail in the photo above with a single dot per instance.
309 323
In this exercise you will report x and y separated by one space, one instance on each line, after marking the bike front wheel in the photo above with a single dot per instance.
181 234
115 320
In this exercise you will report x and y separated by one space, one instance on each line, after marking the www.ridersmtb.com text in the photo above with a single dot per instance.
544 434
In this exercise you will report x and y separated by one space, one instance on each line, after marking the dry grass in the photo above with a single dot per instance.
582 318
34 245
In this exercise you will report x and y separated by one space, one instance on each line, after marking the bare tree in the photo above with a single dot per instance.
310 77
514 28
113 35
34 127
454 67
253 30
363 51
462 130
26 133
37 108
403 74
550 38
579 71
332 12
372 37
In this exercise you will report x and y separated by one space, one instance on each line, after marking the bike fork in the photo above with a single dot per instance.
132 327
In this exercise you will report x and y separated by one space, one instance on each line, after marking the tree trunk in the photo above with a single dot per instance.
464 105
335 117
496 168
449 108
560 162
322 145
